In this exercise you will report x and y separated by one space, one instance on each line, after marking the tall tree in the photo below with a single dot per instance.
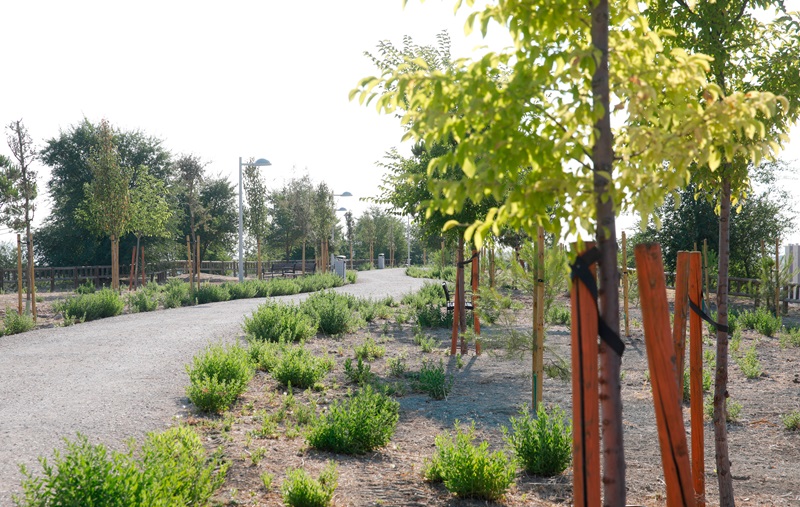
350 226
531 129
324 218
9 173
191 175
257 212
283 231
748 55
107 208
301 207
150 210
219 228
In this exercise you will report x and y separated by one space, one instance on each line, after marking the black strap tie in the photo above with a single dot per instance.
464 263
703 315
581 270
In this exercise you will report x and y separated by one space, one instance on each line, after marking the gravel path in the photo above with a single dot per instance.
118 378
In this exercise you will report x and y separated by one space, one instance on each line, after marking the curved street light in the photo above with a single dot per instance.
262 162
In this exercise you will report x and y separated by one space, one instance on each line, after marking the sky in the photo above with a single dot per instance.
223 80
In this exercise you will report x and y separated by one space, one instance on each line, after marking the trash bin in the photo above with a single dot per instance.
339 264
381 261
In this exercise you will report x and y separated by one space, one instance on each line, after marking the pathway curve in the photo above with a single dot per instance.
119 378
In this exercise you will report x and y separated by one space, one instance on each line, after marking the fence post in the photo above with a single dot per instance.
696 378
661 362
585 402
681 309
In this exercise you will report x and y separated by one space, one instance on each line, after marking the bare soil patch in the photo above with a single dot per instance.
488 390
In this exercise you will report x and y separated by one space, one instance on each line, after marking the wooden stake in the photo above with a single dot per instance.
131 279
197 260
538 322
777 276
190 264
456 311
144 278
661 361
258 258
696 378
476 322
625 283
32 271
705 273
681 313
19 274
585 403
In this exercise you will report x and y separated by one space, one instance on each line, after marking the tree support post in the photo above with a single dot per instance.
681 313
19 274
696 378
625 303
538 322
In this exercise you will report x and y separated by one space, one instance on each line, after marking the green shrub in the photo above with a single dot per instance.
364 266
265 355
172 469
431 316
300 367
749 363
433 380
211 293
301 490
559 315
426 343
397 365
242 290
143 300
760 320
276 321
99 305
732 409
790 336
791 421
330 310
369 350
467 470
319 281
361 374
359 424
281 287
218 376
351 276
176 294
541 444
86 287
14 323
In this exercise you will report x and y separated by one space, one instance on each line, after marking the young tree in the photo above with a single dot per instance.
219 228
301 207
150 211
191 173
748 55
324 219
257 213
107 208
531 127
283 231
350 232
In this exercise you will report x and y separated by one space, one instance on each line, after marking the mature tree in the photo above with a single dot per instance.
747 55
366 232
324 220
256 216
301 207
531 127
283 231
150 211
61 240
107 207
219 228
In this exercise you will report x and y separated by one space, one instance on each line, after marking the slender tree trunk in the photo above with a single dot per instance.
724 478
136 262
303 268
602 159
258 258
32 274
351 255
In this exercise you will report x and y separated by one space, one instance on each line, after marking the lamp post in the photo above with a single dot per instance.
333 226
262 162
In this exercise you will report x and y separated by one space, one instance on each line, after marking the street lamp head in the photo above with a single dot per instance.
344 194
261 162
342 209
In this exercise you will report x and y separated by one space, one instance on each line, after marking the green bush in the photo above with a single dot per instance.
14 323
280 287
467 470
211 293
276 322
360 374
432 316
301 490
265 355
790 336
359 424
760 320
300 368
172 469
176 294
218 376
433 379
559 315
143 300
319 281
541 444
330 310
244 290
791 421
369 350
749 363
86 287
99 305
436 272
351 276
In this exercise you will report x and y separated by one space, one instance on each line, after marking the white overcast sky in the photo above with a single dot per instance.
221 80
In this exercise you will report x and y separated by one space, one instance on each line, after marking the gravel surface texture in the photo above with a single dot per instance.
119 378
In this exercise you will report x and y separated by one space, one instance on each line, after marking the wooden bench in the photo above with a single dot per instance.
451 304
292 268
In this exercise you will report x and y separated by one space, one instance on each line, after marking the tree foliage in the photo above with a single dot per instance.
19 211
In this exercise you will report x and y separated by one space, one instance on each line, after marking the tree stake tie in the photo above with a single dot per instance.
703 315
580 270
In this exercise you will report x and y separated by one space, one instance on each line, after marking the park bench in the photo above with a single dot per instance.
451 304
292 268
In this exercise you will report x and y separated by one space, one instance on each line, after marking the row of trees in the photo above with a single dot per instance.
112 190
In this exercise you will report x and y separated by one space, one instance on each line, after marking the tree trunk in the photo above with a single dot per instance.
32 275
351 255
723 463
136 262
258 258
462 314
303 267
114 265
602 158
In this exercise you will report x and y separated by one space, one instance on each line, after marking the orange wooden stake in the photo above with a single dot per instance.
585 404
133 261
696 377
663 371
456 315
144 279
476 323
681 312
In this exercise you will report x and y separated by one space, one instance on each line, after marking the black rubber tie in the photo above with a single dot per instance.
581 271
703 315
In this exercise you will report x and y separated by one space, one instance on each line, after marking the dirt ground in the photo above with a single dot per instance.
488 389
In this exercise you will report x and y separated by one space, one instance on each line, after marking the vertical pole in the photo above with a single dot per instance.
705 273
189 263
19 274
456 312
538 321
777 276
258 258
462 314
241 228
131 279
681 313
696 378
585 403
144 278
625 304
197 259
661 362
32 271
491 267
476 323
